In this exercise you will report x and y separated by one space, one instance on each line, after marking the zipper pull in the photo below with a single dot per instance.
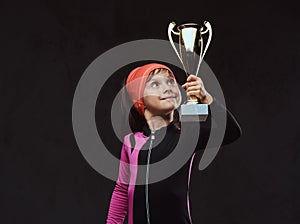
152 134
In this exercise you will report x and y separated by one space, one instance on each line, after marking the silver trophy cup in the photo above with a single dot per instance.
191 53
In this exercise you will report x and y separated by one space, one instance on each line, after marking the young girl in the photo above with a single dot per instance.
154 120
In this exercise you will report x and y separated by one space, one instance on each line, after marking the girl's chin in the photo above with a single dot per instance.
163 112
172 102
167 112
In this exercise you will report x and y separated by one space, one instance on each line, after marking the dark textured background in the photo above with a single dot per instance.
47 45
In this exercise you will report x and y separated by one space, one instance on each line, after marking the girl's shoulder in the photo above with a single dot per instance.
136 135
135 140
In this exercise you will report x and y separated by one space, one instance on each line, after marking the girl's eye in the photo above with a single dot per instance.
171 81
154 84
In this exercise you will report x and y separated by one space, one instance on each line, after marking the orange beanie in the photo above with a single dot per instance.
136 81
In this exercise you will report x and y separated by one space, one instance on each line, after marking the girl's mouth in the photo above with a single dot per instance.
168 97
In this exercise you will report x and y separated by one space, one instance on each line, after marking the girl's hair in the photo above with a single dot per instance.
136 120
157 71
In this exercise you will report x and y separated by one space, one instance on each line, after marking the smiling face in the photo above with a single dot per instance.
161 94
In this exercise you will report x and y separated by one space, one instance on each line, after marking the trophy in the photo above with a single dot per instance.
191 53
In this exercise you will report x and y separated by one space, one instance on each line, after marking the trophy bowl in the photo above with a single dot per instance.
190 51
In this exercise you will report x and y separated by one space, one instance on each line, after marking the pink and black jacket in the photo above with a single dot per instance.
169 198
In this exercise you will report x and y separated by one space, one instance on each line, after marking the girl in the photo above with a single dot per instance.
156 129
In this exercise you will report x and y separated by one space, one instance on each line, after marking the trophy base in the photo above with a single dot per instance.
193 112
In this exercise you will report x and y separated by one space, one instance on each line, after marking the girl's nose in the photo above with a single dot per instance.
167 88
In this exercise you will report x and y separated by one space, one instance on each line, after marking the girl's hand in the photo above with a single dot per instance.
194 87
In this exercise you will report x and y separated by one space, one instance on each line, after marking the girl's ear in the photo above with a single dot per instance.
139 106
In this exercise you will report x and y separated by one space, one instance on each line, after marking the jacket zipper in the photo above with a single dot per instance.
152 137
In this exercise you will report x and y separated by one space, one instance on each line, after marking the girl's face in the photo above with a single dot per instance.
161 94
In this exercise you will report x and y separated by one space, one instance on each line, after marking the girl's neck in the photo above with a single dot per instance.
157 122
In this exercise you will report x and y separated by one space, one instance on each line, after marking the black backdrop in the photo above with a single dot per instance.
47 45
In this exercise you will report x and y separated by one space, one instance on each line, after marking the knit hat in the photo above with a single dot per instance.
136 81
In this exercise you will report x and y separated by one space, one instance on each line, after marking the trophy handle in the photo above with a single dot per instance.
209 30
170 31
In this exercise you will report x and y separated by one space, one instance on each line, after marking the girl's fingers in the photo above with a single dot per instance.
198 94
185 85
193 93
192 88
193 83
192 78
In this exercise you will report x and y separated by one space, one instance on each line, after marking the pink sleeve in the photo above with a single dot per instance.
119 200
